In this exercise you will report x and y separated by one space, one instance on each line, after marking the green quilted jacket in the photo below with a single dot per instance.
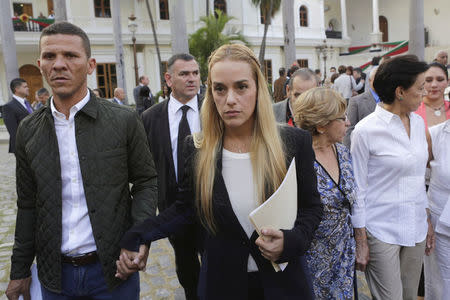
113 153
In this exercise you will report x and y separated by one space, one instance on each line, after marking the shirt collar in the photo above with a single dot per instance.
385 115
73 110
447 126
375 95
118 100
175 105
20 99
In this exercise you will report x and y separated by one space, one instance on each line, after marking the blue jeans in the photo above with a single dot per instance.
88 282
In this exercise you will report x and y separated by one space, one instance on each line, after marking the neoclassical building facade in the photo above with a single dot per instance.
327 33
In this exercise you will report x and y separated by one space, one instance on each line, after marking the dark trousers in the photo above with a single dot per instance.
186 261
255 289
87 283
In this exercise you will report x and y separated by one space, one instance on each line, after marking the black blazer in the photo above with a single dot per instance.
156 124
223 273
13 113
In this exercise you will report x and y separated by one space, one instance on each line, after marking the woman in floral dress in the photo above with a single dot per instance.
331 257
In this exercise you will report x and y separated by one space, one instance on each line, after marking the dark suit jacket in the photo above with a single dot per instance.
223 273
358 108
156 124
13 113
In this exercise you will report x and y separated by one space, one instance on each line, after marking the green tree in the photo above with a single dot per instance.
210 37
268 8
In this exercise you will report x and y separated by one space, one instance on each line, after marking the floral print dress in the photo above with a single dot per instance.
331 257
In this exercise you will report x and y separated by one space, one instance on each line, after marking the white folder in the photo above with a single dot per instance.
280 210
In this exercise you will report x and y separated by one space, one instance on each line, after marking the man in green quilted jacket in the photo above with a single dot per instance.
76 159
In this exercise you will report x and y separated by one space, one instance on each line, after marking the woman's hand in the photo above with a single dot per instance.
362 249
271 243
431 239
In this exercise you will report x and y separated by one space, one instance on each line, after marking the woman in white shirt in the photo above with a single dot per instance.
390 153
437 266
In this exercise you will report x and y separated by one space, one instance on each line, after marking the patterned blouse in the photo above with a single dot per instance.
331 257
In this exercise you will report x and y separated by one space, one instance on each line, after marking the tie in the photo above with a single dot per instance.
29 108
183 132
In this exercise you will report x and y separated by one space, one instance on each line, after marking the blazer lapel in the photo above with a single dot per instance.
222 202
20 106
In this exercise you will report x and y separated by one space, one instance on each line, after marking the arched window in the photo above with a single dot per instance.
220 5
303 16
163 9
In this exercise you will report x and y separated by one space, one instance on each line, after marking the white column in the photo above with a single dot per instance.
376 35
289 32
178 27
60 10
344 19
416 29
9 47
117 32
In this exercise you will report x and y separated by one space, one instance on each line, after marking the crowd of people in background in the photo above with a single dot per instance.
372 170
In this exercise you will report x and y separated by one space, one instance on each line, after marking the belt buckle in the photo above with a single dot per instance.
74 263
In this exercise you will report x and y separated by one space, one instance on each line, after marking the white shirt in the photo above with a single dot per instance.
175 114
344 84
238 177
21 101
389 170
77 237
439 191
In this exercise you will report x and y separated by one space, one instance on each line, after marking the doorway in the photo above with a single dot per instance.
33 77
384 28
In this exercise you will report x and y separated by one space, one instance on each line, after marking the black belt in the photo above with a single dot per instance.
81 260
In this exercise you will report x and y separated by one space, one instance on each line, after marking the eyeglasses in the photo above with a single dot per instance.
344 118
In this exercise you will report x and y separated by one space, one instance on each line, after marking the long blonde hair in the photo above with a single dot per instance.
266 150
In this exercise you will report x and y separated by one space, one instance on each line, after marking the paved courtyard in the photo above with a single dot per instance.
159 281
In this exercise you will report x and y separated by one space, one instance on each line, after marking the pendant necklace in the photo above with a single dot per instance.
437 111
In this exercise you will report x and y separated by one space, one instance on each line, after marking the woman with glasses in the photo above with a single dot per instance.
331 257
390 154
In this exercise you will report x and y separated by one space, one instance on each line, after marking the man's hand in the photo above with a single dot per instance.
271 243
362 249
19 287
130 262
431 239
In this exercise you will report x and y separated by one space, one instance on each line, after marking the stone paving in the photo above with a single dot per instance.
159 281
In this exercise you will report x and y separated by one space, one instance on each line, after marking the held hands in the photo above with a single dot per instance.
271 243
431 239
130 262
19 287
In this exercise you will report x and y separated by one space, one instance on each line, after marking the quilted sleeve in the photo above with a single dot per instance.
141 171
24 248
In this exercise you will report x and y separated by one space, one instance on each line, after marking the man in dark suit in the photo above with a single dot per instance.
301 80
140 106
167 124
16 109
360 106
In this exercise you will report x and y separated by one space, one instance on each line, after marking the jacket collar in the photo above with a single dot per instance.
90 109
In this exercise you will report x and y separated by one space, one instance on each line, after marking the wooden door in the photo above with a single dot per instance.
28 9
49 6
33 77
384 28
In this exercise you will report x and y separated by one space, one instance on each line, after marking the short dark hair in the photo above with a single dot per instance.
144 91
282 71
15 83
317 71
100 92
141 78
399 71
358 70
69 29
342 69
375 60
439 65
303 73
174 58
349 68
42 91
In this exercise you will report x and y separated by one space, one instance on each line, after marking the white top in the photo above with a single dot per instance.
21 101
439 190
238 176
344 84
389 170
175 114
77 237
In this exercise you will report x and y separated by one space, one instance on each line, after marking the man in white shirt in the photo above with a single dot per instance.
167 124
16 109
346 84
84 176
